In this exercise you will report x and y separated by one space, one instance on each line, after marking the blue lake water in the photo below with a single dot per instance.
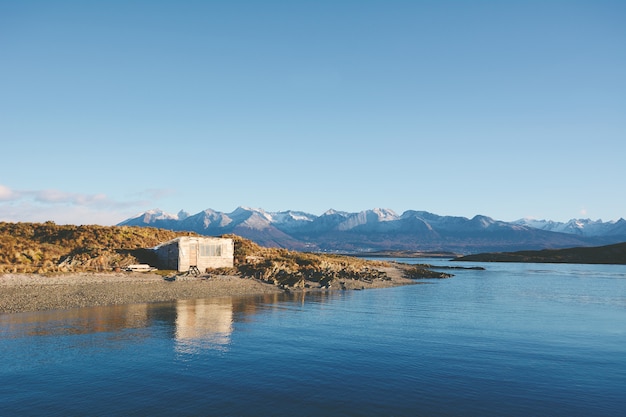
513 340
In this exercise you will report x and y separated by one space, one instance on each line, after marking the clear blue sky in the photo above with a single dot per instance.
509 109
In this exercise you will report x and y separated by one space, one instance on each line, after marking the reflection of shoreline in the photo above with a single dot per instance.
77 321
204 323
193 324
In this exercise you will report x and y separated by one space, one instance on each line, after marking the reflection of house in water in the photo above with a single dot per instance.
195 325
203 324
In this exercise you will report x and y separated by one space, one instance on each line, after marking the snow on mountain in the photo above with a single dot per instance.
333 212
292 216
368 217
434 220
251 217
205 220
384 215
329 220
581 227
380 229
481 222
149 217
182 215
291 220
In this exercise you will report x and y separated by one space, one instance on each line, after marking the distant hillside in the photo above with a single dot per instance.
382 230
609 254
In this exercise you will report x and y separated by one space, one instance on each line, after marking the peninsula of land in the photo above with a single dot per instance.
36 292
44 266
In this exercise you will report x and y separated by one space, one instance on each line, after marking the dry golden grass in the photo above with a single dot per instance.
47 247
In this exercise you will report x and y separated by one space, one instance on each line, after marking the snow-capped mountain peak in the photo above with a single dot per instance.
380 228
291 216
333 212
251 217
582 227
154 215
385 214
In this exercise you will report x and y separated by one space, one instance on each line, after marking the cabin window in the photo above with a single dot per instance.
210 249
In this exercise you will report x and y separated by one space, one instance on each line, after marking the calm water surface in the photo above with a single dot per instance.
516 339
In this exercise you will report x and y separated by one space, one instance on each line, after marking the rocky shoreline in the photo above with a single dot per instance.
34 292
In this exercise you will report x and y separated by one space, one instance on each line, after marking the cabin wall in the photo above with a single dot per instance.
203 253
184 261
168 256
214 253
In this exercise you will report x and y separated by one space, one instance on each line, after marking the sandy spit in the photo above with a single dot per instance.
33 292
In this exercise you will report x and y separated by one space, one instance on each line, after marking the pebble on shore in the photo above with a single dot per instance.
31 292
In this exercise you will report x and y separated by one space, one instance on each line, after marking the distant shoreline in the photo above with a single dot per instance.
607 255
403 254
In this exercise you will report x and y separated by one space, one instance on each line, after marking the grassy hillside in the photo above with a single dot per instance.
609 254
47 247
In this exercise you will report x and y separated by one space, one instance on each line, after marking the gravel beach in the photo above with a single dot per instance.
32 292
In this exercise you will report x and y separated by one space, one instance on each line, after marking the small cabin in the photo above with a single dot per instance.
186 252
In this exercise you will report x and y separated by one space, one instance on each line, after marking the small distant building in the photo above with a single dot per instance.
186 252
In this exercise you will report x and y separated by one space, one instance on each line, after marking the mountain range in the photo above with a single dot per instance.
383 230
